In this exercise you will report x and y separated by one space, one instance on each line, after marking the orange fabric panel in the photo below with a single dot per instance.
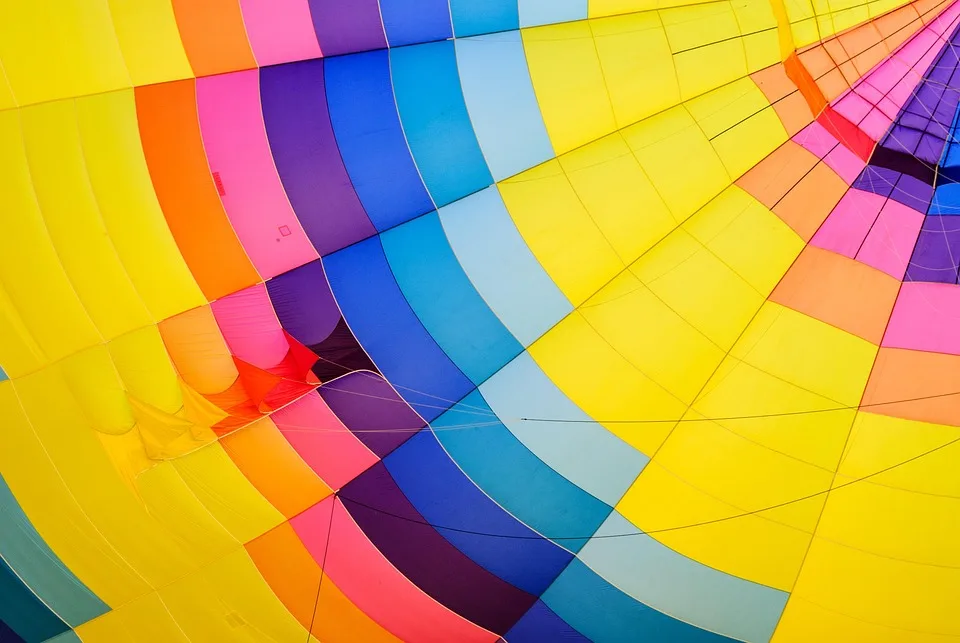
214 36
276 470
198 350
806 206
794 113
294 577
773 177
839 291
803 78
773 82
170 131
901 374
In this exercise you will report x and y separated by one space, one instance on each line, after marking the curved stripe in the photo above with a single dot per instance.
427 558
679 586
566 439
426 84
502 105
408 22
307 158
390 331
447 497
546 12
371 141
238 153
346 27
375 586
280 31
515 478
213 36
604 614
540 624
445 301
471 18
25 550
172 144
501 267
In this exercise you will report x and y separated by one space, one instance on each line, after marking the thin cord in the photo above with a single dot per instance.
326 546
641 532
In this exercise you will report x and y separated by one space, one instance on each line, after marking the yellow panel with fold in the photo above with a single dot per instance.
149 40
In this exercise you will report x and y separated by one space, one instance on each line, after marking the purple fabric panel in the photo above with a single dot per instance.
347 26
913 193
366 404
936 254
427 558
307 157
878 180
304 303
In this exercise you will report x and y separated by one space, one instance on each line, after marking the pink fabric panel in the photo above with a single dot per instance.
328 447
280 31
847 226
853 106
890 243
239 155
250 326
845 163
816 139
926 317
876 124
375 586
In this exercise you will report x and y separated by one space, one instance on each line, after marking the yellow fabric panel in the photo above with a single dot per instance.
73 220
48 500
30 270
704 473
59 49
19 351
603 383
637 65
807 353
128 204
149 40
706 45
884 565
599 8
619 197
95 383
559 230
568 81
672 140
724 107
747 237
653 336
747 143
7 99
230 601
145 369
85 468
226 493
146 620
701 289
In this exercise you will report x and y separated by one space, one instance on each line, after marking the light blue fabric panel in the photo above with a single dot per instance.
473 17
502 104
548 12
667 581
444 299
501 266
580 450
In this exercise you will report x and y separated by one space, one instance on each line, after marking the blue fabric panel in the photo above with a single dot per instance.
548 12
444 299
444 496
502 104
580 450
413 21
501 267
657 576
434 116
541 625
26 551
371 140
3 375
515 478
384 324
23 612
473 17
604 614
